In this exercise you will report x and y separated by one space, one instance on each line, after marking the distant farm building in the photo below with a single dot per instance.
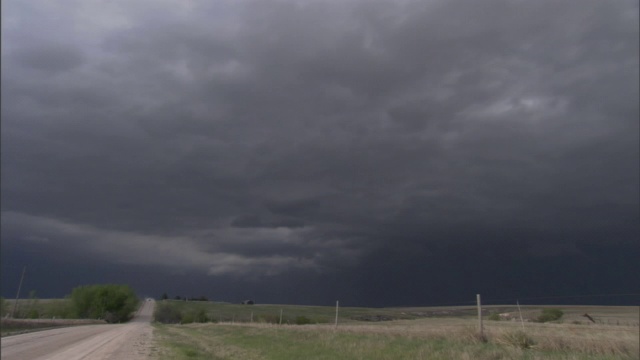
248 302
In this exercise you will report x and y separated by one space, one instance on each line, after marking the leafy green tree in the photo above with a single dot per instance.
4 307
113 303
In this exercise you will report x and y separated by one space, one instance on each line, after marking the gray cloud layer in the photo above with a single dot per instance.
280 135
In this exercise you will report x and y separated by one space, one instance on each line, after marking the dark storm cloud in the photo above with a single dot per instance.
285 135
50 58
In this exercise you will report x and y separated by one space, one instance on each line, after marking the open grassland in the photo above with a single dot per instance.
20 326
415 333
296 314
41 308
291 314
40 314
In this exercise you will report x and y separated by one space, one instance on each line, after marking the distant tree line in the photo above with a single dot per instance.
165 296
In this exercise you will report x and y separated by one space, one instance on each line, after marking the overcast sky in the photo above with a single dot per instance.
382 152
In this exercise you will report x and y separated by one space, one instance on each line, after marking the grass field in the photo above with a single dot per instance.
41 308
20 326
223 312
39 314
412 333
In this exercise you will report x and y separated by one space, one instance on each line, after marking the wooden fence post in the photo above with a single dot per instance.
521 320
336 313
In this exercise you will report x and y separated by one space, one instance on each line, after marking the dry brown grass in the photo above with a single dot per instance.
583 339
603 340
425 338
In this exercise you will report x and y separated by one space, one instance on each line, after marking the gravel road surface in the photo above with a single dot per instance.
117 341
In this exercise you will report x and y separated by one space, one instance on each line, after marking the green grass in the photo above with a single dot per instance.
20 326
36 310
380 341
291 314
220 312
42 309
260 342
269 313
413 333
39 314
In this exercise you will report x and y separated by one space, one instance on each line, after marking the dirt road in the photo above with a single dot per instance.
117 341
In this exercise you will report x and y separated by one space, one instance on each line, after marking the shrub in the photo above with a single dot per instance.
517 339
550 315
494 317
201 316
113 303
4 306
470 334
303 320
187 318
268 318
194 316
167 313
33 314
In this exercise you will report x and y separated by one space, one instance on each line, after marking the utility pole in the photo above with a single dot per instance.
480 316
15 304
